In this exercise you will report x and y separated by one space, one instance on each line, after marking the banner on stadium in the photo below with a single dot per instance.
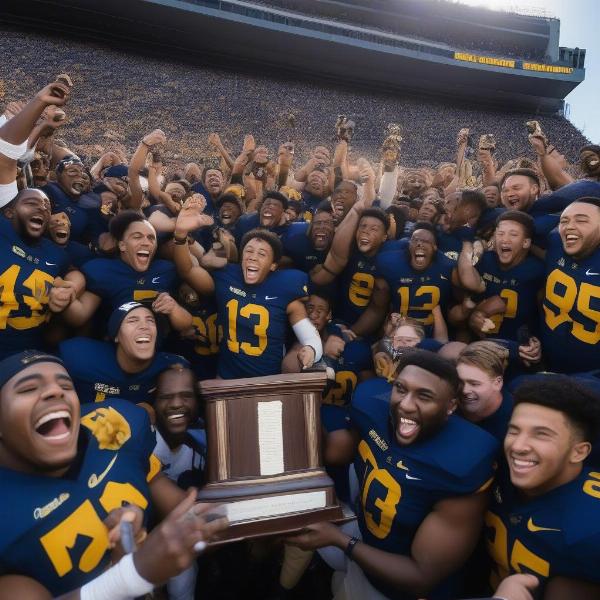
485 60
547 68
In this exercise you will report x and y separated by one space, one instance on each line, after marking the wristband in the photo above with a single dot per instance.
14 151
146 144
120 582
7 192
180 241
350 547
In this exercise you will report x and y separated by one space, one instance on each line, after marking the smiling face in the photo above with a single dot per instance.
257 261
370 235
136 338
271 212
420 404
138 246
511 243
492 195
316 183
428 212
542 448
31 214
579 229
481 392
39 420
422 249
519 192
229 212
321 231
176 404
59 228
73 180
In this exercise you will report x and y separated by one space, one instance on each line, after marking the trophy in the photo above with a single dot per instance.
264 454
344 128
535 130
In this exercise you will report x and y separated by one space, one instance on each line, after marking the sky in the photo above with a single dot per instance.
579 27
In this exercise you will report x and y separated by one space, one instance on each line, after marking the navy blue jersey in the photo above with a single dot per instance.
450 243
309 206
559 199
116 282
416 293
555 534
571 317
400 485
252 221
78 215
202 350
27 273
97 375
298 246
78 253
355 287
254 320
497 424
52 529
518 286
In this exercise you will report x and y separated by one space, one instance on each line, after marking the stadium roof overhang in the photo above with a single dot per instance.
203 34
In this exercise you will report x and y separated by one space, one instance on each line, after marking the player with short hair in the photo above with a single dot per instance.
255 302
571 306
421 497
543 518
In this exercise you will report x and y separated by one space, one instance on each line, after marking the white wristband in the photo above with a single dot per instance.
14 151
308 335
120 582
7 192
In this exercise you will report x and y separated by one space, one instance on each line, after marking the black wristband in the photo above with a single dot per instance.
179 241
350 547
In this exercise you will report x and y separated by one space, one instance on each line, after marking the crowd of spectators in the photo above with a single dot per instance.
164 224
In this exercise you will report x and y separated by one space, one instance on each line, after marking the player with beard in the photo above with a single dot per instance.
136 275
483 399
416 279
29 264
67 472
422 495
571 319
508 271
255 301
127 366
307 244
543 518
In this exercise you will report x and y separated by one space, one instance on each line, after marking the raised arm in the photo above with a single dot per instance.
14 134
373 316
337 257
551 168
190 218
215 141
138 161
468 276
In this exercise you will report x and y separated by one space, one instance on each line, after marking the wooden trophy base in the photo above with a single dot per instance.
276 505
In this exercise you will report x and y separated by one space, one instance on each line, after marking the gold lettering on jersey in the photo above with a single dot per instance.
237 291
44 511
19 252
381 443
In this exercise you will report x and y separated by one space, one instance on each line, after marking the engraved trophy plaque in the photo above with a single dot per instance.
264 454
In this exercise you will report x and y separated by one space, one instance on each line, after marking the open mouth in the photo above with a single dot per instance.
143 341
77 187
37 223
505 252
407 428
143 256
251 274
54 426
571 240
420 258
61 235
177 417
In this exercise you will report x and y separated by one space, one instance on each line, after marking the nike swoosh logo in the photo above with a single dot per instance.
535 528
54 264
155 279
442 277
409 477
270 297
95 480
400 465
588 272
